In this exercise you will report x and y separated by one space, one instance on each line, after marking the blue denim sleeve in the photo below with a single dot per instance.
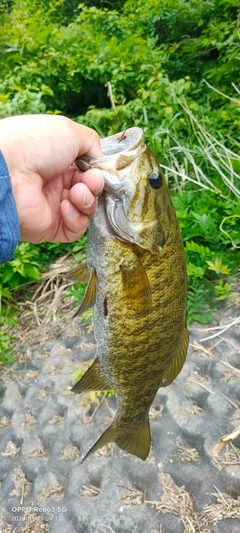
9 223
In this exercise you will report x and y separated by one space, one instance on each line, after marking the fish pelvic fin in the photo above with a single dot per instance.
89 296
178 361
136 441
93 379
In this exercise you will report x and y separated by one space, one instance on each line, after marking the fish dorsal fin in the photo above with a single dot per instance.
80 273
89 296
136 288
178 361
93 379
136 441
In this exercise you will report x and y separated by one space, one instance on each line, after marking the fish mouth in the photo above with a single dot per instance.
119 150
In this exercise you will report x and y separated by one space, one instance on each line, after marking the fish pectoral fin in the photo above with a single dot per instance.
135 441
178 361
93 379
80 273
136 287
89 296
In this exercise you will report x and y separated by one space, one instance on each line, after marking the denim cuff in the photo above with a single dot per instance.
9 222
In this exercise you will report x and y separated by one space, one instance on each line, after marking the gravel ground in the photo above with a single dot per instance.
189 483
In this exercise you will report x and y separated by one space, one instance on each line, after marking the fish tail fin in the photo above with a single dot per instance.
136 441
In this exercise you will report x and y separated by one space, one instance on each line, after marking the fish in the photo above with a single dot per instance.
137 288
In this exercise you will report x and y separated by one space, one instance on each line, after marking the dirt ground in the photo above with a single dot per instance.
191 480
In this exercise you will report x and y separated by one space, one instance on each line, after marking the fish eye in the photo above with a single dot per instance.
155 180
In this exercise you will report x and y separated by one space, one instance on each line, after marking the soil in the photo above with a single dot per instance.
189 483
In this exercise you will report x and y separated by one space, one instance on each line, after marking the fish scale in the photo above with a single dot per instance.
134 353
137 289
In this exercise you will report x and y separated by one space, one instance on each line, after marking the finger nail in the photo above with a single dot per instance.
87 198
100 186
72 211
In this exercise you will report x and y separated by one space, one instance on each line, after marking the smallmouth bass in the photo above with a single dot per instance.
137 288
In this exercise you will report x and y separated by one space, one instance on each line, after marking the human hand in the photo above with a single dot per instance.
54 199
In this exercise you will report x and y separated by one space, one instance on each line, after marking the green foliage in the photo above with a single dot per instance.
16 273
7 320
77 291
211 259
26 267
22 268
196 38
47 252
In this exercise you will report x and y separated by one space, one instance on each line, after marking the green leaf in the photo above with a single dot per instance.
194 270
192 246
7 274
32 272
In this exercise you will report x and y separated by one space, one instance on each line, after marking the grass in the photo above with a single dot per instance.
202 158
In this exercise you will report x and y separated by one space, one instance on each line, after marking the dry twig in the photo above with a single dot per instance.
186 453
56 491
11 450
21 484
40 451
225 507
89 490
221 329
226 439
132 497
70 452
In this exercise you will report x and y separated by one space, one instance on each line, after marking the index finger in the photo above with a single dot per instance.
93 178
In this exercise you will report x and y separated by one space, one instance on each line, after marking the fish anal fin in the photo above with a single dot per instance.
136 441
89 296
93 379
80 273
136 288
178 361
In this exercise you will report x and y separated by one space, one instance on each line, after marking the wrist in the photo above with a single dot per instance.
10 146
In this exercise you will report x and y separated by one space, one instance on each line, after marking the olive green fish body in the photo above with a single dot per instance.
138 291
